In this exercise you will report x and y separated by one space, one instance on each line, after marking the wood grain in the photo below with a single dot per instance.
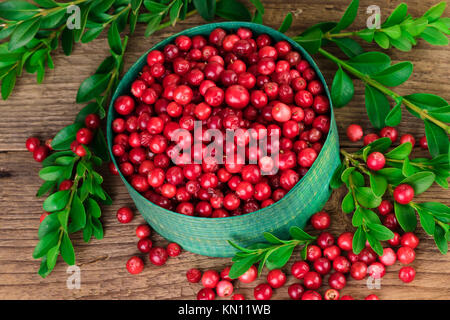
41 110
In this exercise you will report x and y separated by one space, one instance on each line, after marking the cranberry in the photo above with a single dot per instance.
354 132
345 240
206 294
406 255
312 280
65 185
407 138
173 249
311 295
389 257
358 270
331 294
347 297
376 270
390 133
423 143
124 105
313 253
332 252
124 215
337 281
135 265
32 144
237 96
295 291
371 137
144 245
320 220
210 279
263 292
306 157
390 221
403 193
372 297
322 266
325 240
409 239
41 152
143 231
276 278
43 216
385 207
158 256
249 276
237 296
407 274
367 255
376 161
193 275
224 288
299 269
341 264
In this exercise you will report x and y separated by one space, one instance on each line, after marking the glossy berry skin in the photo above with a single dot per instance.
193 275
237 296
299 269
322 266
206 294
311 295
389 257
313 253
135 265
347 297
65 185
409 239
249 276
390 133
158 256
312 280
337 281
403 193
341 264
371 137
124 105
358 271
385 207
345 240
407 274
376 270
84 136
92 121
423 143
331 294
372 297
407 138
263 292
210 278
143 231
32 143
276 278
376 161
320 220
173 249
354 132
332 252
406 255
144 245
295 291
124 215
40 153
224 288
325 240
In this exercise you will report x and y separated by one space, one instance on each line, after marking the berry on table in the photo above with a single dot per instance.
193 275
376 161
295 291
206 294
263 292
372 297
406 255
124 215
210 278
144 245
276 278
409 239
407 274
173 249
389 132
143 231
135 265
403 193
354 132
32 144
224 288
331 294
320 220
249 276
299 269
158 256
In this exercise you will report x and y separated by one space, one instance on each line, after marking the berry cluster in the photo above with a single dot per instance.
157 255
260 90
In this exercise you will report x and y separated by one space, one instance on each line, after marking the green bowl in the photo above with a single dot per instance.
208 236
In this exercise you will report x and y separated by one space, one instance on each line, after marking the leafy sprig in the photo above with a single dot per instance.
273 254
362 197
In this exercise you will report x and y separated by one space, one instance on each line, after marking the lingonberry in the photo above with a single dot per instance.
144 245
311 295
385 207
224 288
143 231
193 275
32 144
341 264
331 294
337 281
263 292
124 215
347 297
313 253
40 153
224 274
295 291
354 132
158 256
395 241
371 137
372 297
206 294
331 252
173 249
407 138
65 185
135 265
345 240
325 240
124 105
237 296
210 278
249 276
358 270
423 143
367 255
405 255
376 161
376 270
320 220
312 280
390 133
403 193
43 216
299 269
388 257
281 112
322 266
276 278
409 239
407 274
390 221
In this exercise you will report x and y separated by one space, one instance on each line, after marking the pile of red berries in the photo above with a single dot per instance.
228 81
40 152
157 255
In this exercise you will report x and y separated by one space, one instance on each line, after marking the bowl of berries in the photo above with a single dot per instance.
222 132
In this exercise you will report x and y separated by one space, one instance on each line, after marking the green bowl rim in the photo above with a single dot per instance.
229 25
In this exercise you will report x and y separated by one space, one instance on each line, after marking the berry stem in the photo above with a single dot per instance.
392 94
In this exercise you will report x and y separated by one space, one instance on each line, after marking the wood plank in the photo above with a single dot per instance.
44 109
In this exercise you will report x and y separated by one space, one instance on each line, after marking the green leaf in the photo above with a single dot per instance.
97 228
336 180
47 186
206 8
433 36
377 106
174 11
48 225
280 256
114 39
51 173
91 34
83 20
440 240
135 5
52 256
426 101
154 7
380 145
99 145
342 89
442 113
298 234
348 203
92 87
67 251
367 198
404 43
257 17
379 231
366 34
287 22
382 40
427 221
370 216
397 16
8 83
375 244
378 184
349 46
370 62
67 39
436 209
57 201
77 215
406 217
420 181
435 12
311 40
17 10
393 32
348 17
93 208
401 152
358 217
153 25
64 138
232 10
52 20
346 174
87 232
258 5
394 116
240 267
437 139
408 169
359 240
394 75
45 244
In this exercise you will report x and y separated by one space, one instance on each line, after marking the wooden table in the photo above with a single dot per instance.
42 110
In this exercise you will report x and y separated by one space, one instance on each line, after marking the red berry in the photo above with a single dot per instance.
249 276
299 269
276 278
312 280
311 295
193 275
173 249
224 288
313 253
43 216
406 255
407 274
409 239
210 278
320 220
281 112
347 297
376 161
124 215
345 240
92 121
263 292
135 265
407 138
332 252
158 256
403 193
385 207
354 132
237 96
358 270
372 297
337 281
144 245
341 264
143 231
331 294
423 143
65 185
124 105
325 240
206 294
322 266
376 270
237 296
32 144
371 137
390 133
389 257
40 153
295 291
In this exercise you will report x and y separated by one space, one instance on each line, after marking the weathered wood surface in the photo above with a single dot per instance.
41 110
